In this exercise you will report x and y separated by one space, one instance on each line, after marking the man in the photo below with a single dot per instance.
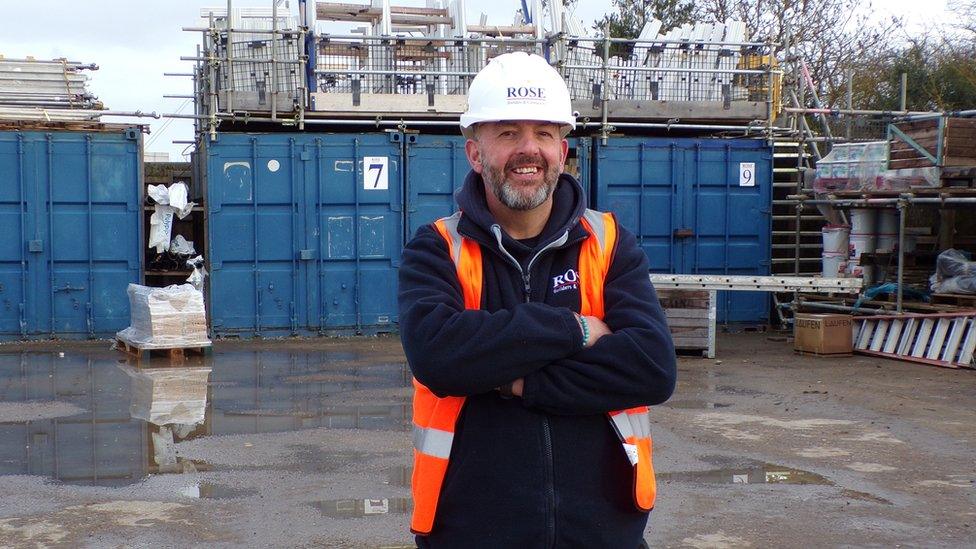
535 339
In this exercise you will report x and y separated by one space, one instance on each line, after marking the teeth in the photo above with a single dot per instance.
525 170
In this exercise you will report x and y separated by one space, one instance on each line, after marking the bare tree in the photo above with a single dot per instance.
631 16
966 12
828 36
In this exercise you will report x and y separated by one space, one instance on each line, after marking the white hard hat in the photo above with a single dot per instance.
518 86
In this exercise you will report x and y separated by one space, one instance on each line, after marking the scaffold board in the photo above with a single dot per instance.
749 283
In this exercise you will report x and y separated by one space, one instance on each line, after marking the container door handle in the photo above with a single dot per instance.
684 233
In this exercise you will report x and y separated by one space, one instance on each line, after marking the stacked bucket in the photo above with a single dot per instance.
871 231
836 250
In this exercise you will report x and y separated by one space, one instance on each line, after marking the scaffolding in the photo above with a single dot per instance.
412 67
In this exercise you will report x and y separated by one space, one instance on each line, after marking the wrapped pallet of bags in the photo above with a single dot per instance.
954 274
164 318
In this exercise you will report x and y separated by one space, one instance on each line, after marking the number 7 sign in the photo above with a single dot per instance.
376 174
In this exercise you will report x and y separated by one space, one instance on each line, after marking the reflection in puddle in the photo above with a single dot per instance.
131 417
344 508
207 490
761 473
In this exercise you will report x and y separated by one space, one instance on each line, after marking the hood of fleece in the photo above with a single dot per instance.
567 207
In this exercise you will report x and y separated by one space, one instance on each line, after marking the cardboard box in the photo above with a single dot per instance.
823 334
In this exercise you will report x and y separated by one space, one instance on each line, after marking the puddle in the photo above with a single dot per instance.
346 508
207 490
864 496
86 416
758 473
732 390
695 404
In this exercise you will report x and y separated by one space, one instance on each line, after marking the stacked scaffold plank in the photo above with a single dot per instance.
46 90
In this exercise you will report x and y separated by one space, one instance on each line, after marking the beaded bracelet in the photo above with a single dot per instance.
586 329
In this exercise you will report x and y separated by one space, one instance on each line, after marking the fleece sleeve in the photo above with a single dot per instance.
460 352
633 366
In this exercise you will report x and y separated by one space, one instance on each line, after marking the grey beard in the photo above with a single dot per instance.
518 201
515 200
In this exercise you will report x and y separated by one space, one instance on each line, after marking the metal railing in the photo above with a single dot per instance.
407 66
666 70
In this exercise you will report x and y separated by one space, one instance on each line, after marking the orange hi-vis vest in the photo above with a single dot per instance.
434 418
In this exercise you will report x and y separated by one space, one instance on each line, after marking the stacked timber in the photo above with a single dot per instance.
46 90
957 138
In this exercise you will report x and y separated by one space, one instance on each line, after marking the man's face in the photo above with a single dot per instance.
520 162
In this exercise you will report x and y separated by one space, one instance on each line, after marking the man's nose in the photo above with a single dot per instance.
528 143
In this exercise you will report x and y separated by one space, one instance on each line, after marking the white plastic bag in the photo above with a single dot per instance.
182 246
160 228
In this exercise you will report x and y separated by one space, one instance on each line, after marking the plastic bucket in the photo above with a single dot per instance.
887 231
888 221
863 221
836 239
835 265
887 243
862 243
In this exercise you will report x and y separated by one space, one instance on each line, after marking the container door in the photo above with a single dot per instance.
638 181
727 204
695 206
436 168
254 191
359 224
14 244
93 202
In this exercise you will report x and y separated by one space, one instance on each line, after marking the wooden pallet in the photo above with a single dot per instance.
967 301
691 320
174 354
822 355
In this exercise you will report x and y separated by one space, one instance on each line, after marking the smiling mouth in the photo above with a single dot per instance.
526 170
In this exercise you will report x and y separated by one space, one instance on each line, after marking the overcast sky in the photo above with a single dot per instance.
135 41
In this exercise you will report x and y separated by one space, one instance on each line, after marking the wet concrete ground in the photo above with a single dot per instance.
306 444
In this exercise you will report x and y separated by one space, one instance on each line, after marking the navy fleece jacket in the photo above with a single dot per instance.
548 466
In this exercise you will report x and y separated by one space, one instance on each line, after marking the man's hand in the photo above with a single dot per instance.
598 329
517 387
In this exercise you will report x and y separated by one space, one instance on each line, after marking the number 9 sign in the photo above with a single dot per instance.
747 174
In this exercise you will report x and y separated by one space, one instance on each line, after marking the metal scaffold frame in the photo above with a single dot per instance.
706 78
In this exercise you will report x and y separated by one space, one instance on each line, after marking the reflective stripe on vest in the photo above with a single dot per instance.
435 418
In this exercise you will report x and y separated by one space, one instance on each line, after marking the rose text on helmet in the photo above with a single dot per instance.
527 92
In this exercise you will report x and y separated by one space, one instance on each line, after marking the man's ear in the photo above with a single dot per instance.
473 152
565 146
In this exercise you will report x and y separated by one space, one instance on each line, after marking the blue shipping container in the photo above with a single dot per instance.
69 213
305 232
697 206
331 213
